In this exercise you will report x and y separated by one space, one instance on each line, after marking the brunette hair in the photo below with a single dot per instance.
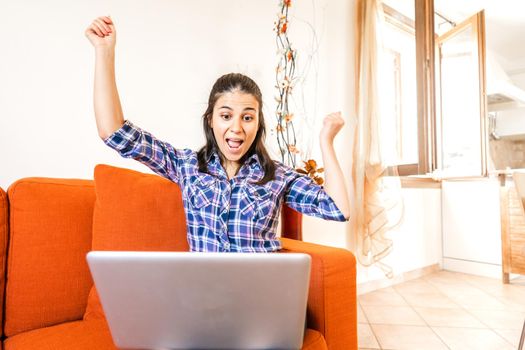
229 83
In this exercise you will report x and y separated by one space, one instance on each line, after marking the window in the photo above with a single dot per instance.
414 85
398 90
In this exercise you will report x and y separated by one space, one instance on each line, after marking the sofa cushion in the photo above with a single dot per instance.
94 334
3 247
79 335
135 211
50 233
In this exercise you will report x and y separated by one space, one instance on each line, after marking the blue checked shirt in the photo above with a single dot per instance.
226 215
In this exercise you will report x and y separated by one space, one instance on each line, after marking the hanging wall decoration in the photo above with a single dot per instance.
285 80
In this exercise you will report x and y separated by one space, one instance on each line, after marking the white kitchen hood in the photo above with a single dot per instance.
501 91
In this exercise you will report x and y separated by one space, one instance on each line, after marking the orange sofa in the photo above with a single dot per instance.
48 225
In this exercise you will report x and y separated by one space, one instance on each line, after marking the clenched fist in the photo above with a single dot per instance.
101 33
332 124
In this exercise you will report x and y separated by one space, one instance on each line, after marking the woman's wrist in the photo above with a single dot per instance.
326 142
105 51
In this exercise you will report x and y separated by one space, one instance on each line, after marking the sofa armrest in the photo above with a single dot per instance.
332 304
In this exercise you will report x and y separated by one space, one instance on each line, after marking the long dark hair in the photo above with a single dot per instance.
229 83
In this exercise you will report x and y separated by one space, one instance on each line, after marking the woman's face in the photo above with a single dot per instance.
235 122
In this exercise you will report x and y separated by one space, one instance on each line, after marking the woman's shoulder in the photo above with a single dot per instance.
187 155
284 171
282 166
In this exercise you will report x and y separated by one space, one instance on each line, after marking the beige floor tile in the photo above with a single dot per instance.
472 338
407 337
429 299
453 290
511 291
385 296
513 303
365 337
384 314
504 290
460 307
361 317
482 282
495 286
479 300
499 319
446 277
510 335
415 287
447 317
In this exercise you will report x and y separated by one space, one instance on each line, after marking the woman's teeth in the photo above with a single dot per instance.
234 143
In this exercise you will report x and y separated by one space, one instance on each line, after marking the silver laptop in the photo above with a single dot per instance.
174 300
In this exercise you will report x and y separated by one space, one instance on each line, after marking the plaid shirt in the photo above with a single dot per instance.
226 214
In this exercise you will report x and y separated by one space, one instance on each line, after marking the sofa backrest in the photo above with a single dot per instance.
3 246
50 225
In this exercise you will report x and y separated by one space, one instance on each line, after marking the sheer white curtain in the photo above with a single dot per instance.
378 205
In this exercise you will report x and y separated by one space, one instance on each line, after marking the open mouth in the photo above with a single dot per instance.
234 144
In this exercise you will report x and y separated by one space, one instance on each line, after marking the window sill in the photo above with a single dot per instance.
419 182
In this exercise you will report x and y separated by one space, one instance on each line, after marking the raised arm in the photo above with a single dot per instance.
334 184
108 111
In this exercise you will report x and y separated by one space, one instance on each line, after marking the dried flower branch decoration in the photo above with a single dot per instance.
285 80
310 169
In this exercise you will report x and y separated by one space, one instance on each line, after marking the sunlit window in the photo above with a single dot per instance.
399 124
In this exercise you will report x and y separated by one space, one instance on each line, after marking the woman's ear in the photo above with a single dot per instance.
210 121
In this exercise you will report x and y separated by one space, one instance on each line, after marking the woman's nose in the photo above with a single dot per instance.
236 125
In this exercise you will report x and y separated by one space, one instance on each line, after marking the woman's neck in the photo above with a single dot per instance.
231 168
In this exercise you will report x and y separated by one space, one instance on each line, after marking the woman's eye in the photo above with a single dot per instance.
226 116
247 118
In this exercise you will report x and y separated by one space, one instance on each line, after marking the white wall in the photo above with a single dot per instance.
417 241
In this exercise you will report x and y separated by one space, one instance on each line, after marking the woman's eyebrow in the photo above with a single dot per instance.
244 110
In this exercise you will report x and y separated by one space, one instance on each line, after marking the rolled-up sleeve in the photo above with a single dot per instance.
305 196
132 142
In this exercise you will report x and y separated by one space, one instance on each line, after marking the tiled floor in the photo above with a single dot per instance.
443 310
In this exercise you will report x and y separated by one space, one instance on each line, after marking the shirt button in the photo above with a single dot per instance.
227 246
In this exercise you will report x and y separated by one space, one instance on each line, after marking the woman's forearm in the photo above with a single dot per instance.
108 111
334 184
334 180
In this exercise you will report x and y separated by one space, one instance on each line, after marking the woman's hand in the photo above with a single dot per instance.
101 33
332 124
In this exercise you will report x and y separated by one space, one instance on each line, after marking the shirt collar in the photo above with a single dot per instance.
251 168
214 165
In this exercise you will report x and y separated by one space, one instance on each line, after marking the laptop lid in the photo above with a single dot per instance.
174 300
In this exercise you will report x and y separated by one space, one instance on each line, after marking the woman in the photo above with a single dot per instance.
232 190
